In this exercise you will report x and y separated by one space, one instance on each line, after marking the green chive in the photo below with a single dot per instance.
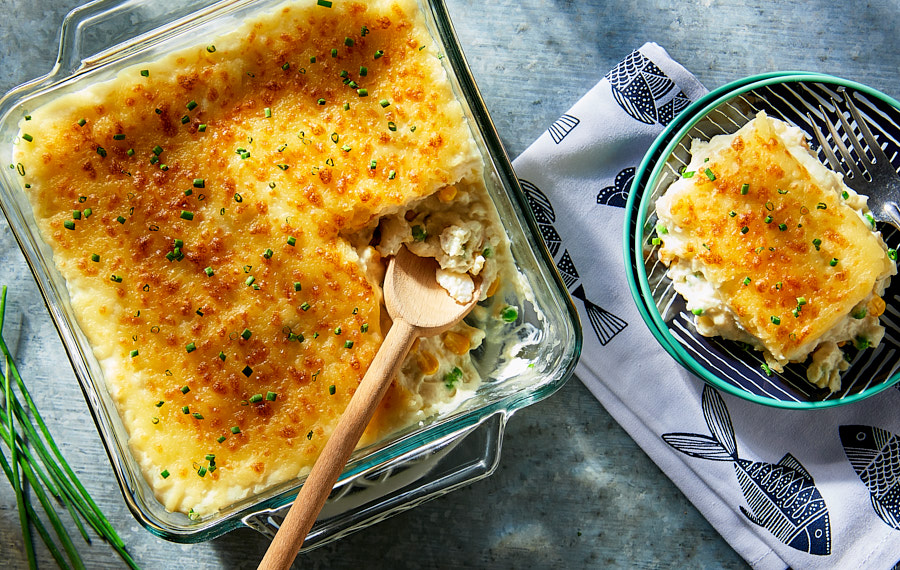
199 183
134 353
268 253
271 396
697 312
201 128
331 389
392 126
95 257
304 306
780 191
419 233
197 415
709 174
333 52
324 3
766 369
185 120
101 151
69 224
185 389
130 152
364 327
746 281
159 404
392 174
778 286
845 194
82 122
688 174
291 240
247 371
191 105
384 103
246 334
379 53
782 227
185 410
222 356
509 314
363 71
775 320
256 398
115 278
348 344
185 215
211 48
249 281
145 73
164 474
221 438
297 286
801 301
892 254
745 229
833 262
191 347
362 92
768 219
817 242
821 206
732 213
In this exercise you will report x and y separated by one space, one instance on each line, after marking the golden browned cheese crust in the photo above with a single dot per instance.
787 257
260 161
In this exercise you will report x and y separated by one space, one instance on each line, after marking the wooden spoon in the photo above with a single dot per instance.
418 307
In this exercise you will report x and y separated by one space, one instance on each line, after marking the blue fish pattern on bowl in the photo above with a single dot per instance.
781 497
874 454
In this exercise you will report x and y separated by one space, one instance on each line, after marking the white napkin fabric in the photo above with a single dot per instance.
777 484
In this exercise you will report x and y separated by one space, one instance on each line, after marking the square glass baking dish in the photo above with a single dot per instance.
419 463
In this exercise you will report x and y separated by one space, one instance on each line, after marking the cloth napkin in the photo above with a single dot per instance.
718 448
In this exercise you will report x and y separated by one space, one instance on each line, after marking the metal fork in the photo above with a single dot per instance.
883 184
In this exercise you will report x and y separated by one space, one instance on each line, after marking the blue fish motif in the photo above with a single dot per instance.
567 269
781 497
562 126
874 454
605 324
640 87
617 194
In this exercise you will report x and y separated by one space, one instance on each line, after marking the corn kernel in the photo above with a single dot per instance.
447 194
492 288
428 364
457 343
876 306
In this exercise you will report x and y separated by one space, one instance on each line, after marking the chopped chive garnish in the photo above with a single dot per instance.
801 301
732 213
364 327
745 229
95 257
384 103
130 152
191 347
115 278
746 281
372 165
392 174
766 369
324 3
782 227
211 48
159 404
185 410
331 389
249 281
101 151
697 312
191 105
661 229
119 137
379 53
845 194
164 474
688 174
297 286
185 120
246 334
267 112
821 206
775 320
247 371
768 219
419 233
337 331
27 137
256 398
656 241
892 254
82 122
271 396
199 183
197 415
333 52
817 243
145 73
87 212
304 306
157 150
283 166
185 389
780 191
744 188
348 41
348 344
268 253
221 438
709 174
833 262
392 126
185 215
134 353
291 240
778 286
509 314
202 128
69 224
222 356
362 92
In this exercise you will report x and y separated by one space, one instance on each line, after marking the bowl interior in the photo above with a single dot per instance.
725 364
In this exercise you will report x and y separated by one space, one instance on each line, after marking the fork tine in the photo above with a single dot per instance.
823 142
854 140
874 147
842 148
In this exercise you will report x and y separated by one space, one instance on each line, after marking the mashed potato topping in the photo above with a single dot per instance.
222 217
771 248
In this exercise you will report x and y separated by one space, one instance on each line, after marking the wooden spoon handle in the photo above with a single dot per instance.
328 467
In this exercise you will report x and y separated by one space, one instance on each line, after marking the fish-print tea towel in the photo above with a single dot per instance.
785 488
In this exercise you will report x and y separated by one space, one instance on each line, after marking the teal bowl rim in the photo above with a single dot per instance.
640 284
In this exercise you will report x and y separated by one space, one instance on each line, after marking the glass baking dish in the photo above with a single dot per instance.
419 463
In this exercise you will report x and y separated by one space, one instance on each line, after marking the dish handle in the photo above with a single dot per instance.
452 462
